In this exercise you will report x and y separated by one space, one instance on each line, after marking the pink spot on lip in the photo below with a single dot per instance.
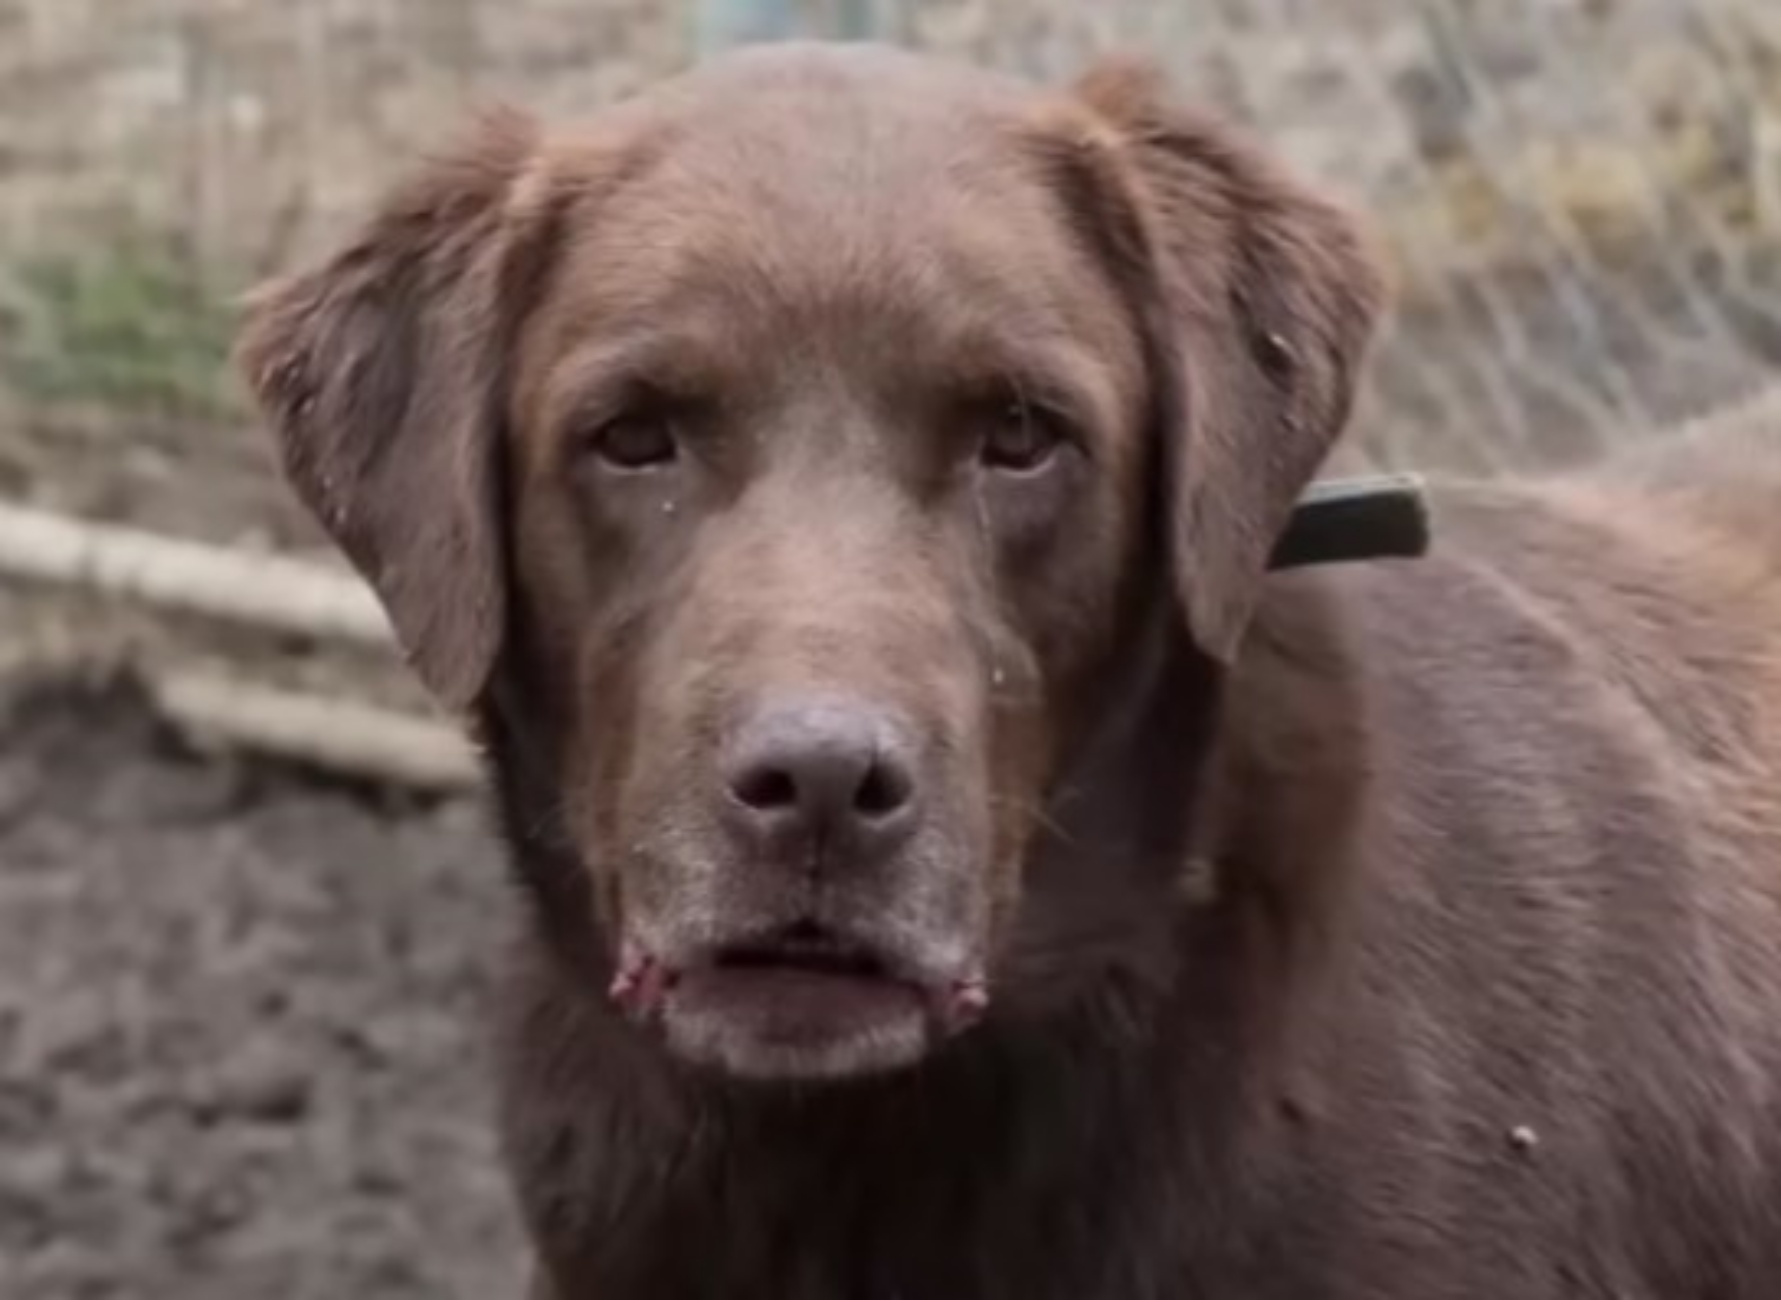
964 1003
640 985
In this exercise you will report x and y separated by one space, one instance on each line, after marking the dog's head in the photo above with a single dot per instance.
800 439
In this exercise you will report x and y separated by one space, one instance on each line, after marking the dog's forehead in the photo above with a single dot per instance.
824 179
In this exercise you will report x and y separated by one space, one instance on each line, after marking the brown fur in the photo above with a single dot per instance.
1399 930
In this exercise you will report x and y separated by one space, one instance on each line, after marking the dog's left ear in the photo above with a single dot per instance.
1262 297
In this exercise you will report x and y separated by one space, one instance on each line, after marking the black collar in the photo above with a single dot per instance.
1373 517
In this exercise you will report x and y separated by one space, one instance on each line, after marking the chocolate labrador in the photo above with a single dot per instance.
839 489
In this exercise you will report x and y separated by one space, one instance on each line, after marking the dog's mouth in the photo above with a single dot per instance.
805 949
804 1000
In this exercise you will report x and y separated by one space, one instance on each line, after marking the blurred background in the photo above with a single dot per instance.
246 911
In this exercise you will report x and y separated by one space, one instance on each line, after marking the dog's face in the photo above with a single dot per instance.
799 434
822 444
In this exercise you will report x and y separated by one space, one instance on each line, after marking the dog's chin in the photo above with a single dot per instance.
793 1025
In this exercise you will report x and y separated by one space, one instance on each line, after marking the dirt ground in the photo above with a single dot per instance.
240 1018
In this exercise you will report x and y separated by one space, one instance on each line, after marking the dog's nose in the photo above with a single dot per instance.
825 772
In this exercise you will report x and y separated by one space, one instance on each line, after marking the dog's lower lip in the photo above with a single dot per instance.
793 1001
808 972
828 972
837 978
812 959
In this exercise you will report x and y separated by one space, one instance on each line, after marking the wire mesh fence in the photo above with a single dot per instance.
1582 197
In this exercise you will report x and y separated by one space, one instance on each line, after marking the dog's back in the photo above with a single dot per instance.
1718 477
1550 1021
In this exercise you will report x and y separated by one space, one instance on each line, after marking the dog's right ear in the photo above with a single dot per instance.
381 374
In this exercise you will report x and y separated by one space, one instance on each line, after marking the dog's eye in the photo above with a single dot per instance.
638 440
1018 438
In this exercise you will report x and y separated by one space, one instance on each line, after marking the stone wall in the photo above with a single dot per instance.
1626 151
241 123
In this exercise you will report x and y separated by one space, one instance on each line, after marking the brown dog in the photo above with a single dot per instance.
839 486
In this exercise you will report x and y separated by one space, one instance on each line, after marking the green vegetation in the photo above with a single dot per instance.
128 327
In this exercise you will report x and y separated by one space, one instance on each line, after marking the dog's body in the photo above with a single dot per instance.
1527 1043
1401 930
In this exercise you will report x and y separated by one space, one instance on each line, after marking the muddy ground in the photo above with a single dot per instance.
240 1019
